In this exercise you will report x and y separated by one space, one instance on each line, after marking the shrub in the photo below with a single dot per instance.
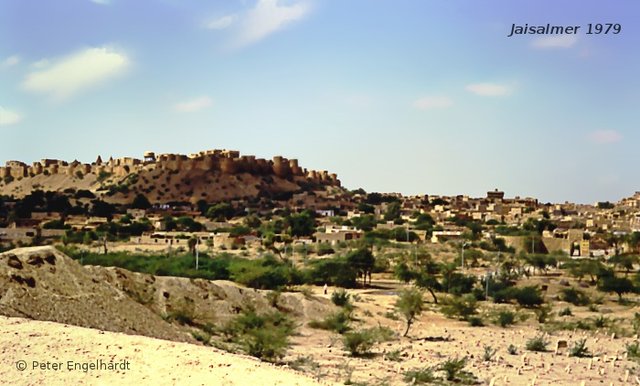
410 304
565 312
324 249
338 322
459 307
543 313
458 284
340 298
422 376
358 343
394 356
454 370
273 297
262 336
201 336
537 343
633 350
475 321
489 353
512 350
382 333
529 296
574 296
505 318
579 349
601 321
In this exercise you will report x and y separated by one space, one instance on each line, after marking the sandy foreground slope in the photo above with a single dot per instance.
150 361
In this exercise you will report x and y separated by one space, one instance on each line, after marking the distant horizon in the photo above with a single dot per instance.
400 96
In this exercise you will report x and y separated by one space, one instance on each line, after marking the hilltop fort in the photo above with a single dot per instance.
225 161
211 175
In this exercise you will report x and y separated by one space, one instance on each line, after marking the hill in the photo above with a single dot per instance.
212 176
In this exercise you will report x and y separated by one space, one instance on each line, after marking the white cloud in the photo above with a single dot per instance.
488 89
40 63
555 41
76 73
193 105
602 137
11 61
432 102
8 117
101 2
221 23
267 17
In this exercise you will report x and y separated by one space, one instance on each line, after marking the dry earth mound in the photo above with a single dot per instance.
42 283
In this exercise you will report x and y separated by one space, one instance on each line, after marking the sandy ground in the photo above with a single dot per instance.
150 361
423 347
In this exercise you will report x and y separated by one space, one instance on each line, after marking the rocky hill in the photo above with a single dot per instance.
212 176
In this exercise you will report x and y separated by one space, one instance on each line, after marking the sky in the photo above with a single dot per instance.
417 97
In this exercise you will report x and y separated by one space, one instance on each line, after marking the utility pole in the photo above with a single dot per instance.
197 242
486 292
462 254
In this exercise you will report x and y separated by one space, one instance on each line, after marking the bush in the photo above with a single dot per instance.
601 321
382 334
574 296
505 318
459 307
543 313
512 350
340 298
358 343
201 336
579 349
394 356
458 284
338 322
454 370
489 353
528 297
324 249
475 321
565 312
537 343
262 336
423 376
633 350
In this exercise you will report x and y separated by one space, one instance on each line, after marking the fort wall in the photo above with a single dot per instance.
225 161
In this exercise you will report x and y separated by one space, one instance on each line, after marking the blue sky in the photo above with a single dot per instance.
395 96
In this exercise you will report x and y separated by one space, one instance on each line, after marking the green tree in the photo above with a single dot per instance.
363 261
302 224
619 285
410 304
220 212
393 211
141 202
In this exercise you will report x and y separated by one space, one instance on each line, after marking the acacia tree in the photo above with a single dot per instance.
410 304
363 261
619 285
